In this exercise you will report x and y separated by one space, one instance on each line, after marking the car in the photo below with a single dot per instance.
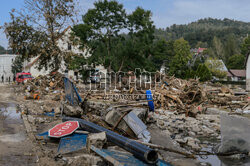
23 77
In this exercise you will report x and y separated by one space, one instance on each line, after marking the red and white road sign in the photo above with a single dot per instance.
63 129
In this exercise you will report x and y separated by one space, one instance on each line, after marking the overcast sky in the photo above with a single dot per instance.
165 12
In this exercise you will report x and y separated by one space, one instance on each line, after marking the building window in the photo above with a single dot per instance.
69 46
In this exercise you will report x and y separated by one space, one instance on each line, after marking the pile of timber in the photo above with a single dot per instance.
182 96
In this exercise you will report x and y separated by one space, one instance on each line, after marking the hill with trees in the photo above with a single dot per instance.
201 33
225 39
4 51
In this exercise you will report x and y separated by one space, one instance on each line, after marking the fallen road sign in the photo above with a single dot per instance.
63 129
72 143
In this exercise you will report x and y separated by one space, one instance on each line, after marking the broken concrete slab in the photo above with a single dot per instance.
113 117
97 140
235 134
72 111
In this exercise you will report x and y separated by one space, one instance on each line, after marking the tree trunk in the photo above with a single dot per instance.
121 65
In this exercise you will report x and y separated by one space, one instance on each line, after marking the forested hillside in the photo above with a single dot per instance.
4 51
224 39
202 32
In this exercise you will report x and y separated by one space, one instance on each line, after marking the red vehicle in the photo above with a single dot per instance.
23 77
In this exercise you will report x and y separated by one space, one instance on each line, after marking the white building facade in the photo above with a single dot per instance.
6 61
247 64
66 45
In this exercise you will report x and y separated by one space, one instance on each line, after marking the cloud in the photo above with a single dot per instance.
84 5
186 11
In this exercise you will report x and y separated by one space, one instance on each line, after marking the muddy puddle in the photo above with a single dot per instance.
215 160
9 111
14 143
10 121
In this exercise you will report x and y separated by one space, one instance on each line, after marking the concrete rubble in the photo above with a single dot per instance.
185 111
97 139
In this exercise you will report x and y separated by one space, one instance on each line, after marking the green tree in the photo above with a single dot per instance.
79 63
218 49
140 39
104 22
17 64
201 44
36 29
216 67
102 31
245 47
231 47
203 73
236 62
141 29
163 52
179 63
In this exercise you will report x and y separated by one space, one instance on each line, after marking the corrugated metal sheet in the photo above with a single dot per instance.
135 123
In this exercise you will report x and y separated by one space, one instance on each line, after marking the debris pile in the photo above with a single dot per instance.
224 98
192 97
180 95
185 110
45 84
186 130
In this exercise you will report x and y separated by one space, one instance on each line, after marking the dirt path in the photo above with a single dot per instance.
15 147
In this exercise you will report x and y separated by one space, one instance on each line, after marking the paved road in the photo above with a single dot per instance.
15 147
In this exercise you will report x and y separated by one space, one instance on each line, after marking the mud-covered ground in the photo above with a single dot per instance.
19 148
15 146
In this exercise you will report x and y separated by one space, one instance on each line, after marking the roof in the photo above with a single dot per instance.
236 73
63 32
201 50
197 50
224 68
229 74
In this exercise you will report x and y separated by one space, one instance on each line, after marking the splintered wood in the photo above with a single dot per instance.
189 97
223 97
180 95
45 84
